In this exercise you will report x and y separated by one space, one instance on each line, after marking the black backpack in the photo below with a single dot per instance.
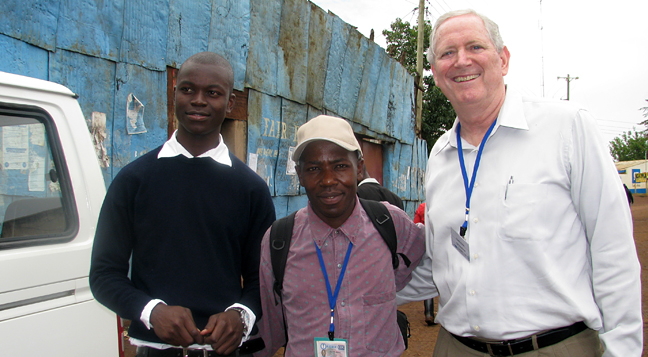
281 235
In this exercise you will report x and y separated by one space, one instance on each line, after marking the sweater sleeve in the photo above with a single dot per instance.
111 253
262 214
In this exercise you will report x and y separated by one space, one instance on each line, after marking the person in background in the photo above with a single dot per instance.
370 189
190 216
339 282
529 234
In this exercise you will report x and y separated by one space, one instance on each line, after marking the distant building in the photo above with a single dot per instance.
627 171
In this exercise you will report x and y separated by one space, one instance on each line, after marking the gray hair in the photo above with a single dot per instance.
491 28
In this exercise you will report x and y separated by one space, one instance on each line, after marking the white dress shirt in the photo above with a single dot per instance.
220 154
549 231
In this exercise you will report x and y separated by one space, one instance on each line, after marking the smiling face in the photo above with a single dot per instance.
468 69
329 174
203 96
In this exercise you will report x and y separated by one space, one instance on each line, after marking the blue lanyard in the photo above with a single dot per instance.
333 297
470 185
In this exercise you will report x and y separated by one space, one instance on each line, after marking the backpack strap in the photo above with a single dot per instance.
382 220
280 237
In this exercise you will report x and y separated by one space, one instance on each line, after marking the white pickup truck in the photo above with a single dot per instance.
51 191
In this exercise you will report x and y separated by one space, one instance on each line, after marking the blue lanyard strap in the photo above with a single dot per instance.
333 297
470 185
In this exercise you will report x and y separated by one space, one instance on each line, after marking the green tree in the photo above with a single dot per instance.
438 114
629 146
645 114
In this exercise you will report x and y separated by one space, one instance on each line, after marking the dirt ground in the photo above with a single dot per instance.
424 337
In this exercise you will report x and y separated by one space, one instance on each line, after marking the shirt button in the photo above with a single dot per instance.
472 292
337 232
475 256
476 220
326 244
476 328
476 184
342 303
339 265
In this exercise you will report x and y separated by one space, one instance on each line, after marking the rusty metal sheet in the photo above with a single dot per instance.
405 172
144 39
354 60
319 43
93 79
264 132
295 203
293 115
32 21
370 75
229 35
265 17
189 22
19 57
94 27
145 85
293 50
381 104
337 51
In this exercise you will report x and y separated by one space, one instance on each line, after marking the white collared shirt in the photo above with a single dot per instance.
220 154
549 231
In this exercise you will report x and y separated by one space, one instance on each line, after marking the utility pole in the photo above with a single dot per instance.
419 65
569 79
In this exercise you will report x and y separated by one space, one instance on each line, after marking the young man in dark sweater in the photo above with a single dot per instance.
191 215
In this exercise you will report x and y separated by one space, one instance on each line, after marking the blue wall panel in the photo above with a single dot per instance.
370 75
93 79
189 23
32 21
91 27
293 115
332 87
261 74
19 57
405 172
264 131
281 205
296 202
354 60
292 53
395 107
230 35
150 88
144 41
319 43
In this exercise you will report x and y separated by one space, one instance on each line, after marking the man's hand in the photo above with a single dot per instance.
224 332
175 325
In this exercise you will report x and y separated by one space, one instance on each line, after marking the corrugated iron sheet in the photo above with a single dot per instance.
188 29
19 57
144 40
31 21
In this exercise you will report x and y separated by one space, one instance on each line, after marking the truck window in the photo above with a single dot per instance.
36 205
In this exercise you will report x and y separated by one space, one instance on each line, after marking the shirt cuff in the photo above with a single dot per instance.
145 317
248 316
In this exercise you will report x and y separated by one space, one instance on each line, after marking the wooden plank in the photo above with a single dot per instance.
293 115
370 76
265 17
292 64
32 21
188 29
144 41
333 84
381 98
319 43
354 59
229 35
264 124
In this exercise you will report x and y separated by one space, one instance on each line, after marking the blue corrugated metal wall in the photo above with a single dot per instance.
297 61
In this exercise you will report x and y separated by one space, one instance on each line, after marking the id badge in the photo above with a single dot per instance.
460 244
327 348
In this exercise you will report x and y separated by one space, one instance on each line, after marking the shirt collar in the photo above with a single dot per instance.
320 231
173 148
369 180
510 115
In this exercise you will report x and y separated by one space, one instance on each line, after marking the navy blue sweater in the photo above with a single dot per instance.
194 228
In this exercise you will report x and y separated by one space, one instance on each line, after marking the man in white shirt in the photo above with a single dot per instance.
529 232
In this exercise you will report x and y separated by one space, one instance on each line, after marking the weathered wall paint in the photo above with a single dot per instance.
297 60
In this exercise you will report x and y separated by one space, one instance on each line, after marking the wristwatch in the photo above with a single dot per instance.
244 318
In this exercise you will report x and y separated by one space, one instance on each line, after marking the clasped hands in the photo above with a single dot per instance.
175 325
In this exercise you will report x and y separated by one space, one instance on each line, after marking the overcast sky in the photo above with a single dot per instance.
605 46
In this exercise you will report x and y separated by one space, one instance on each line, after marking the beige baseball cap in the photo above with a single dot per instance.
324 127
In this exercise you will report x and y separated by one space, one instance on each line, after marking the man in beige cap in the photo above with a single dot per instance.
339 284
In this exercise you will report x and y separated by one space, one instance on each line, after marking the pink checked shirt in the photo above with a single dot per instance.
365 312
